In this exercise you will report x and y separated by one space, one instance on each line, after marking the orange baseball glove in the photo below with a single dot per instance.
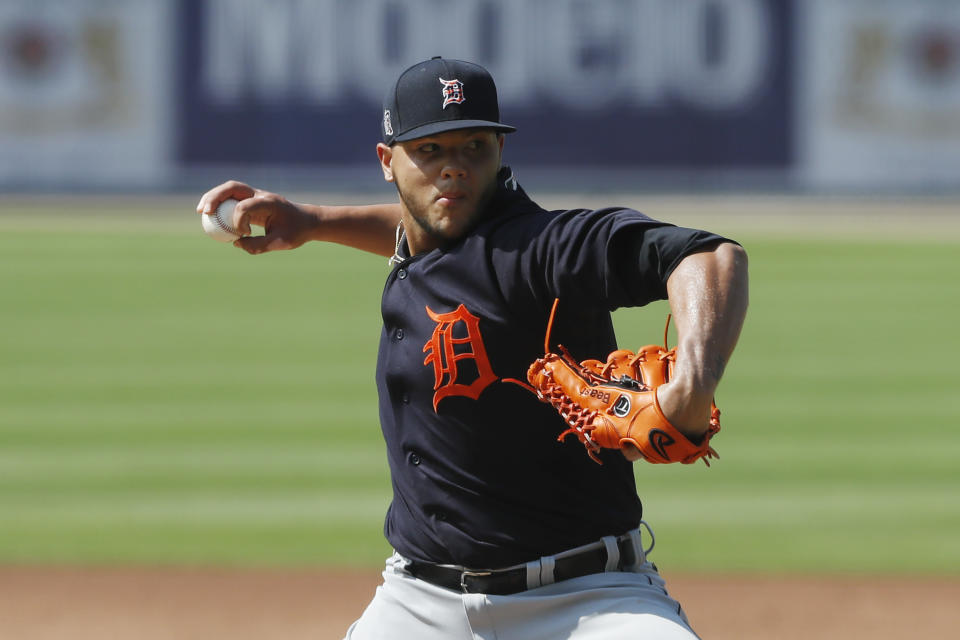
614 403
611 404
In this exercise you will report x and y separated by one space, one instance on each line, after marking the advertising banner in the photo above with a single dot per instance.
880 96
84 92
698 84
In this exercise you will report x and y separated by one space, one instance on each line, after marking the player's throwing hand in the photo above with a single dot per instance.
286 225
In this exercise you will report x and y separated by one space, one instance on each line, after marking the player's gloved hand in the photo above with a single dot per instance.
285 224
614 404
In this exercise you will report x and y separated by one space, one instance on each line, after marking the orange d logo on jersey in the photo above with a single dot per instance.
444 352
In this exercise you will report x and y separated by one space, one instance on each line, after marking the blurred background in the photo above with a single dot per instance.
790 95
164 399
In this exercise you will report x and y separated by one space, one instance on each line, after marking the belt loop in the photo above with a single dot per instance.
613 553
533 574
546 570
653 539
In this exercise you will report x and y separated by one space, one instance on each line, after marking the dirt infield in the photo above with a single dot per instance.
148 604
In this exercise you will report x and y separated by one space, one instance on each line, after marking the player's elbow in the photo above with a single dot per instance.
739 265
732 254
731 266
723 264
738 253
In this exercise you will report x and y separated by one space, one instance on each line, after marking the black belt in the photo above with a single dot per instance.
504 582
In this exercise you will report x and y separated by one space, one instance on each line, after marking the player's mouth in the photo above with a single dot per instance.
451 198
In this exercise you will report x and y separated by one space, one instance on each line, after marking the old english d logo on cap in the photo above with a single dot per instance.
452 92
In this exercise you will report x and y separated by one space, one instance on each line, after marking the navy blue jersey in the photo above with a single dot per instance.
478 477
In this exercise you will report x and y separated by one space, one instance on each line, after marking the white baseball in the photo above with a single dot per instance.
219 225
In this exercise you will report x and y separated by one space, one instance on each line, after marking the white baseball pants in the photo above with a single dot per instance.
600 606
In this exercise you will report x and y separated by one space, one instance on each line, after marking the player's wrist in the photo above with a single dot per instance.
315 220
685 407
697 371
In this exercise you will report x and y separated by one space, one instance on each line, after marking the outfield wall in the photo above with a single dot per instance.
788 94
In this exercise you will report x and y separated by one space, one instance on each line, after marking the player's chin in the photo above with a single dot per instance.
453 225
448 235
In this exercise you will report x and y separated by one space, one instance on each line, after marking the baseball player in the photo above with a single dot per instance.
499 530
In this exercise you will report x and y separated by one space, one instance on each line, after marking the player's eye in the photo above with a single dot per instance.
427 148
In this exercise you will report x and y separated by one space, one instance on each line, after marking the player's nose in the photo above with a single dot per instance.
453 170
454 165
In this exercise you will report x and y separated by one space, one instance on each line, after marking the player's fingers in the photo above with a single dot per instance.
252 244
263 209
262 244
230 189
245 213
256 210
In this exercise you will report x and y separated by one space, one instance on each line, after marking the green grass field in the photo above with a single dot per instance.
165 399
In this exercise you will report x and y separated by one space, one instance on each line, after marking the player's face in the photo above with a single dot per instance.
444 182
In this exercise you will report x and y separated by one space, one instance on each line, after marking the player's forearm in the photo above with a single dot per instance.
367 227
708 293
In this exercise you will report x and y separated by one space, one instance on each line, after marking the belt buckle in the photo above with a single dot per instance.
468 573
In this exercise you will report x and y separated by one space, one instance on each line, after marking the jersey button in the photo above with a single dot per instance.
405 398
414 459
399 334
441 516
402 274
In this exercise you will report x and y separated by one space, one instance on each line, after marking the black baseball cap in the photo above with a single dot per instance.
440 95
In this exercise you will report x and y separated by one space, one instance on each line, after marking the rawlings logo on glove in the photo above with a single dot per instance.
608 405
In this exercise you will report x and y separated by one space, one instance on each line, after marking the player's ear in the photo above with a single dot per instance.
385 154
